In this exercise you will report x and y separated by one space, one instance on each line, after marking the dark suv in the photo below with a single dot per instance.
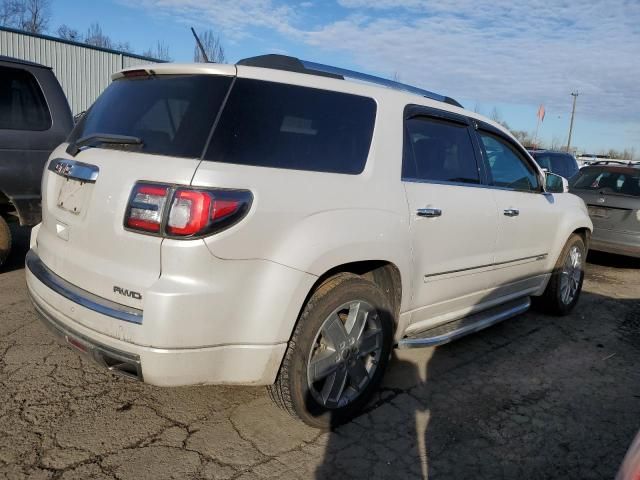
560 163
34 119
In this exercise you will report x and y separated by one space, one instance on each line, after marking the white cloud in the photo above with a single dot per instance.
485 50
235 18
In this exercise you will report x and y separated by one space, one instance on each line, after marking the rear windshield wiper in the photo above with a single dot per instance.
96 139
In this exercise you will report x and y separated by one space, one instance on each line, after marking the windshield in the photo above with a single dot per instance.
559 163
609 181
170 114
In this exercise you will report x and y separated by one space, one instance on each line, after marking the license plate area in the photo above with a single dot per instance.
597 212
72 196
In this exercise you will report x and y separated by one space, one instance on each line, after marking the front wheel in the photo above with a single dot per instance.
338 352
565 284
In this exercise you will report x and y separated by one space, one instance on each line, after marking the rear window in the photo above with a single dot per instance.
559 163
277 125
22 104
171 114
608 181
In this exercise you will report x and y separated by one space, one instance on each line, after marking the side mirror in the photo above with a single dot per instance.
555 183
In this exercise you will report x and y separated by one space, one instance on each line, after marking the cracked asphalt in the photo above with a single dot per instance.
534 397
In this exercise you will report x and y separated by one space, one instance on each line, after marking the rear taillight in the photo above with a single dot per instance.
190 213
146 207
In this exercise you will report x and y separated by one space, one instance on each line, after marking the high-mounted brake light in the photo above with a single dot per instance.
191 213
136 74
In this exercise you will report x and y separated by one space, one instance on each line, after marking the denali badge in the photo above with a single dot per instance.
127 293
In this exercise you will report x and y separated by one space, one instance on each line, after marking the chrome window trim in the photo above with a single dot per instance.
444 182
78 295
73 169
472 185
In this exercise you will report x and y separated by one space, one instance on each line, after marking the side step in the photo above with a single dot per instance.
459 328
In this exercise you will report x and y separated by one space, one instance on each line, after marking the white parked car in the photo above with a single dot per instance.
277 223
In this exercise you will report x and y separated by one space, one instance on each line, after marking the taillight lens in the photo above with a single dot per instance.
146 207
189 212
192 213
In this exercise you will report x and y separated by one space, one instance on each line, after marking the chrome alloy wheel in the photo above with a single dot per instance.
345 354
571 275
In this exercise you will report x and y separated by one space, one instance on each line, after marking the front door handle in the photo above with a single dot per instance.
511 212
429 212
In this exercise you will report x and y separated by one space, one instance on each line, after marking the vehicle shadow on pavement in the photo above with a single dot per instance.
533 397
612 260
20 247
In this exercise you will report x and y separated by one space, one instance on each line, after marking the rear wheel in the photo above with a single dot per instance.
338 352
563 291
5 241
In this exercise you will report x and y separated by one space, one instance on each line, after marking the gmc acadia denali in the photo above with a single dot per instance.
276 223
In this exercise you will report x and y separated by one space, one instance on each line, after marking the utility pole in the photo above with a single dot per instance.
573 112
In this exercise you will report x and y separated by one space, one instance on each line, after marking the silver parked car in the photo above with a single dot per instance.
612 194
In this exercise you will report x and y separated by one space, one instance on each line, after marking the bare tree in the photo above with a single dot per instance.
396 76
556 143
160 51
123 47
212 46
495 115
36 15
11 13
67 33
96 38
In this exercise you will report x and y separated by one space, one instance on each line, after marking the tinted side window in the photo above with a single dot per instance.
508 169
608 181
270 124
22 104
438 150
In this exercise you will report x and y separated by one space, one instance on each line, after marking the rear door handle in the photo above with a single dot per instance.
511 212
429 212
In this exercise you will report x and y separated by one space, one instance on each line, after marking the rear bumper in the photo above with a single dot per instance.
619 243
245 364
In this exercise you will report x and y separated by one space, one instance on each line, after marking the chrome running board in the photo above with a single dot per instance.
459 328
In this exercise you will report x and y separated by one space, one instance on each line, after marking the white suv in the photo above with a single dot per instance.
273 223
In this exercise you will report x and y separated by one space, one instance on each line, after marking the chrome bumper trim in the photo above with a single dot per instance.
116 361
78 295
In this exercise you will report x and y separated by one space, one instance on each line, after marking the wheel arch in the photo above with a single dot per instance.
383 273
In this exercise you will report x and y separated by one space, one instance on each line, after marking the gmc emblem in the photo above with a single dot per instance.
127 293
63 168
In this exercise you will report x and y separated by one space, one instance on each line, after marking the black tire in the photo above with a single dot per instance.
5 241
292 391
551 300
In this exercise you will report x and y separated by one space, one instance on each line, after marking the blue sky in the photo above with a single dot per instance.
485 53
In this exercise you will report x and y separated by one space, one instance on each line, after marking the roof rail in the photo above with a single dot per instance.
293 64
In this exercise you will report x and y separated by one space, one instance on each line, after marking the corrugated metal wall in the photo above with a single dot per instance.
83 72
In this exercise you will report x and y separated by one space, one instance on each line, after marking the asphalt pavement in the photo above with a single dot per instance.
532 398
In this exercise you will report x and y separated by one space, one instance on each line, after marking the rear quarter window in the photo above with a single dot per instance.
285 126
22 103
